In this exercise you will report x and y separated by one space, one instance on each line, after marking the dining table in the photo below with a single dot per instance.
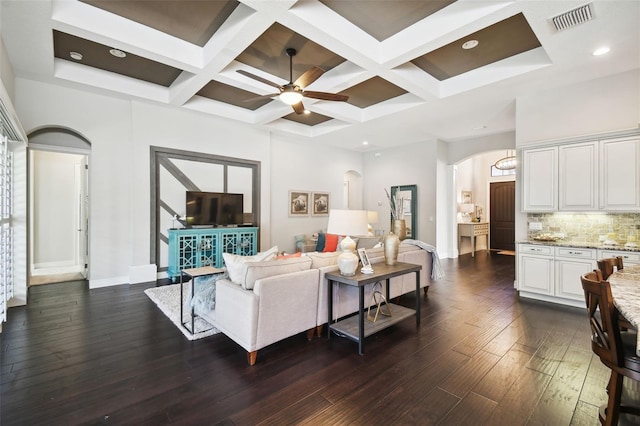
625 289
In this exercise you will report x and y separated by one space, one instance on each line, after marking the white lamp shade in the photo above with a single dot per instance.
372 216
347 222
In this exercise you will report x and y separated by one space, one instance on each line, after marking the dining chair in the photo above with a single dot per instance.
608 264
616 350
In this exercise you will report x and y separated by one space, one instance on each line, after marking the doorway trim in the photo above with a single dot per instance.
67 141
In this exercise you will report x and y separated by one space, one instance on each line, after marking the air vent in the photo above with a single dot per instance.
573 17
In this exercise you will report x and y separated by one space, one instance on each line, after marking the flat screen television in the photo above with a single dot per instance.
214 209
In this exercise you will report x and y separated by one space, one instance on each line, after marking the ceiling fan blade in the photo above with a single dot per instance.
298 108
309 76
257 98
325 96
258 78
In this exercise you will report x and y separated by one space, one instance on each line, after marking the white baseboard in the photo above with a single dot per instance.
107 282
142 273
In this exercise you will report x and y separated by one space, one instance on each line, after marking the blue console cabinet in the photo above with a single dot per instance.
194 248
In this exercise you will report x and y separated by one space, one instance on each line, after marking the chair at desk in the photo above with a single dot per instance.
607 266
616 349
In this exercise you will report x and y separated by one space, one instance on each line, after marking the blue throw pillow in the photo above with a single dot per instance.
321 241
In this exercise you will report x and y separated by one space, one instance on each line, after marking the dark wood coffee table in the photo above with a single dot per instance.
355 327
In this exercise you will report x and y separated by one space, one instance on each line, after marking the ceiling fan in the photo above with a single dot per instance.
293 92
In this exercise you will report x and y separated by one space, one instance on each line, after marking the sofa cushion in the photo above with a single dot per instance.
331 243
234 262
321 241
253 271
318 260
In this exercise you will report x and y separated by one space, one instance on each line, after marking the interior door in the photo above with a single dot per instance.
502 223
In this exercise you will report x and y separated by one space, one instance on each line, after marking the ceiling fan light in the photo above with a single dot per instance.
290 97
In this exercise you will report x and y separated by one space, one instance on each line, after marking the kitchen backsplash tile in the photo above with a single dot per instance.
587 227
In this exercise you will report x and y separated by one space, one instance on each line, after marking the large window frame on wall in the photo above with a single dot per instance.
162 158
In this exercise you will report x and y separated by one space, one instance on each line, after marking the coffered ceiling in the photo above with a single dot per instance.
401 63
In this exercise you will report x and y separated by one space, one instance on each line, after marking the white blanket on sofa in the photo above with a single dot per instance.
436 268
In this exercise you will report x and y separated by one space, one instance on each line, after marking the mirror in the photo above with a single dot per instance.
409 194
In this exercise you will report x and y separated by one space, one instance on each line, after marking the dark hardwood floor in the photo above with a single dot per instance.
480 356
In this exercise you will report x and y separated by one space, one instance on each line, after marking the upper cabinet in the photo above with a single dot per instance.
540 179
586 176
620 176
578 176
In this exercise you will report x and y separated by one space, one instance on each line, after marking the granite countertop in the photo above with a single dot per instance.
579 244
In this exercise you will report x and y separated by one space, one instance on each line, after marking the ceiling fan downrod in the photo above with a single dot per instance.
291 52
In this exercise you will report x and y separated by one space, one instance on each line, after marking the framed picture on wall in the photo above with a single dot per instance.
466 197
298 203
320 204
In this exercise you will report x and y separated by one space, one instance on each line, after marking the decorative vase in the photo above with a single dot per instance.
400 228
391 245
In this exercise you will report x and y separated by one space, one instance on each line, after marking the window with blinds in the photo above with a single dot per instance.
6 231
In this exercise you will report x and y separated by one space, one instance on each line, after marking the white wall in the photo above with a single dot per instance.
604 105
305 166
414 164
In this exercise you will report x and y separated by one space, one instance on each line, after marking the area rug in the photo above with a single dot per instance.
167 299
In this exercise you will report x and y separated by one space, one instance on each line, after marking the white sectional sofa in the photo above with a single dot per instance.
277 299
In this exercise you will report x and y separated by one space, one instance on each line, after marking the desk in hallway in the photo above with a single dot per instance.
472 230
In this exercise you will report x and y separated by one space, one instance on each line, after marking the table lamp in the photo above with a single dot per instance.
372 217
347 223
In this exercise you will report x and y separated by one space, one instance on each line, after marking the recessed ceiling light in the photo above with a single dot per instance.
480 127
365 143
306 111
470 44
117 53
601 51
76 55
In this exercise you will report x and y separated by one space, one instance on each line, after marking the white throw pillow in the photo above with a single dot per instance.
234 262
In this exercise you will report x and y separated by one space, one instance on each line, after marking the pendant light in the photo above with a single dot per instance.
506 163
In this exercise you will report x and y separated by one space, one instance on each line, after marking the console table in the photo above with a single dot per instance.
355 327
197 247
473 230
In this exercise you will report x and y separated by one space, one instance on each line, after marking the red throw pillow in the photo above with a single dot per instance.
331 243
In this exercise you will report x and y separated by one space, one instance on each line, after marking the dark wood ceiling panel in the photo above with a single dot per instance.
371 92
499 41
311 119
383 18
267 53
232 95
194 21
97 55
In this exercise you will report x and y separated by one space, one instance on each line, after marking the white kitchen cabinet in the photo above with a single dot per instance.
540 179
620 175
578 176
628 257
570 264
535 269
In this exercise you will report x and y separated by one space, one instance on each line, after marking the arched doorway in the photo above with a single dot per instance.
58 205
